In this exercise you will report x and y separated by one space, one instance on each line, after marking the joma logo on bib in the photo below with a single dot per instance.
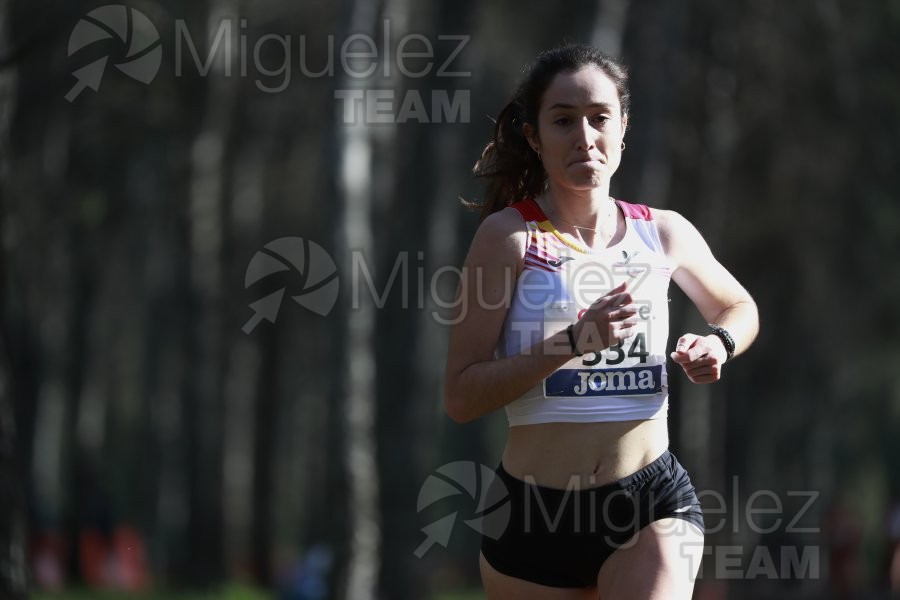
634 381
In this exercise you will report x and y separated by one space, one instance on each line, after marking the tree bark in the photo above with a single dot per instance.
354 176
203 403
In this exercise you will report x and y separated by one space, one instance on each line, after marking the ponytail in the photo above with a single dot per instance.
512 169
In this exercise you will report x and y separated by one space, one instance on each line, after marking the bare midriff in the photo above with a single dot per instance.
583 455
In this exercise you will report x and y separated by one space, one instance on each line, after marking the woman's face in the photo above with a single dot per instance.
580 129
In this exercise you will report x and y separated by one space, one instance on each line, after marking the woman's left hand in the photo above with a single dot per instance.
700 357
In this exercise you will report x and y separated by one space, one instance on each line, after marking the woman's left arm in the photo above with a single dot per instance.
719 297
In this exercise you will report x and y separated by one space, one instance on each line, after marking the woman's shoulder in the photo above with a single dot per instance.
676 232
500 237
663 217
502 224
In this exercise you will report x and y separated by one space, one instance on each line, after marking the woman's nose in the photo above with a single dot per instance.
585 134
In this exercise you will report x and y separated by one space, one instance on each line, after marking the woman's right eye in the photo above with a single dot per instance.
561 121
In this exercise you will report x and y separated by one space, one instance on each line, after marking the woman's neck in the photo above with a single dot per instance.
591 209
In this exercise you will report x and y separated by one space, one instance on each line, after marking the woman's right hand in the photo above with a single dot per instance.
607 321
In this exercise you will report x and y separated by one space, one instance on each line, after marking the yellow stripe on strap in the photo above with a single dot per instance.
548 226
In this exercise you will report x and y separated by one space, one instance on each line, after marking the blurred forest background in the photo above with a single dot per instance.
171 420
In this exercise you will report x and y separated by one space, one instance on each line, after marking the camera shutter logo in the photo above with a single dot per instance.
315 269
142 49
478 482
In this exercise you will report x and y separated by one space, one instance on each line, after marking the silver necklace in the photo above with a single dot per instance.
594 229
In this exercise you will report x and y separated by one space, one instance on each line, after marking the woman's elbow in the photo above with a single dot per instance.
454 404
752 311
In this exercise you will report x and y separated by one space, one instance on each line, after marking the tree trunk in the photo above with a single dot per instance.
13 580
358 357
203 405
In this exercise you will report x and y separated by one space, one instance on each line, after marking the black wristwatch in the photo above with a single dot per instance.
726 338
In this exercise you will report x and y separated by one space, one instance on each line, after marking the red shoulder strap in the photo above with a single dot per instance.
636 211
529 210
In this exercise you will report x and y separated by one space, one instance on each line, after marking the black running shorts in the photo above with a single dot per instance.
561 537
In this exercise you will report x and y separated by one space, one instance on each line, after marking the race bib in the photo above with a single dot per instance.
625 369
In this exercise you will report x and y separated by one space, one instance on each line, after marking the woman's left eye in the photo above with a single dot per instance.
601 119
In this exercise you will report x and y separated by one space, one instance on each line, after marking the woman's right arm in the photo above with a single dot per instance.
475 382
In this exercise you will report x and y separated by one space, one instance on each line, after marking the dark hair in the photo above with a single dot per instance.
512 168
